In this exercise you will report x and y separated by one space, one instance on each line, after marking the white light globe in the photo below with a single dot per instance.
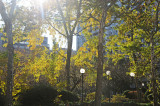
132 74
108 72
82 70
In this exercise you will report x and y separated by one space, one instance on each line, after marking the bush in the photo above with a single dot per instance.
90 97
38 95
105 100
119 98
130 94
126 92
2 100
68 96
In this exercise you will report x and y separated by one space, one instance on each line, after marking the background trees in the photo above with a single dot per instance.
135 41
68 14
135 48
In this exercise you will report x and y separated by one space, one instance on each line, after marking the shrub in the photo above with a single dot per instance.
1 98
130 94
119 98
38 95
68 96
105 100
126 92
90 97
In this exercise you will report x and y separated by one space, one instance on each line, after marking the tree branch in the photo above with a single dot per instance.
84 29
12 9
3 13
78 16
61 54
56 29
63 18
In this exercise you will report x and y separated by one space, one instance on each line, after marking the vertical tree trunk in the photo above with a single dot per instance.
7 18
69 52
100 60
69 30
10 65
136 63
153 72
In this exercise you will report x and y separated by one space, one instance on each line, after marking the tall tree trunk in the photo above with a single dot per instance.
69 30
136 63
7 18
10 65
100 60
153 72
69 52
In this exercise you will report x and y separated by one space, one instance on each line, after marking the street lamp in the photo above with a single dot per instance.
82 71
132 76
108 74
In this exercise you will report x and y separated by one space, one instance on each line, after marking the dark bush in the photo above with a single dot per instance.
1 98
68 96
38 95
130 94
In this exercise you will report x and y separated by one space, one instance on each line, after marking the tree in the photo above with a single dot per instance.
7 18
103 6
118 81
68 14
138 40
107 14
92 20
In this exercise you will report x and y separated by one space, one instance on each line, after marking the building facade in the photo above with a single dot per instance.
23 44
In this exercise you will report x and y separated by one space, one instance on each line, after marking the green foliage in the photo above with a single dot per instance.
119 98
38 95
90 97
135 30
105 100
67 96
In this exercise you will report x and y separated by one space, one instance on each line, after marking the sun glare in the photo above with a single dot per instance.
29 3
42 1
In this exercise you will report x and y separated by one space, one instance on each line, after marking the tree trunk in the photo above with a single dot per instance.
7 18
69 34
10 65
69 52
100 60
153 72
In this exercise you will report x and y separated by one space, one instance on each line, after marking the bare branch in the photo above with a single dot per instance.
12 8
63 18
68 16
157 21
78 16
91 16
56 29
3 13
61 54
84 29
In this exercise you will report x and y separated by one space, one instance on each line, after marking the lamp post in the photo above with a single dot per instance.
132 76
82 71
108 74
